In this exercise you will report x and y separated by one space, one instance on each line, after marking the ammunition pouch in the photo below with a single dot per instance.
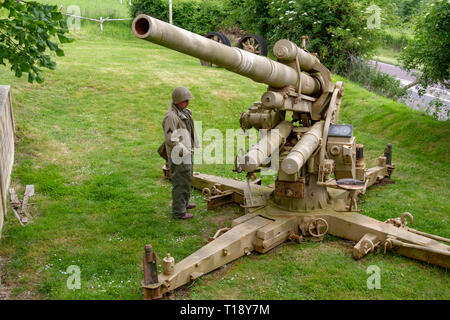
162 152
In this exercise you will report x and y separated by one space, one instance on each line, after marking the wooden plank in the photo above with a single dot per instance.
29 191
15 202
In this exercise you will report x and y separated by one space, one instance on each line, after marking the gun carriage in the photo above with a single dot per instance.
321 168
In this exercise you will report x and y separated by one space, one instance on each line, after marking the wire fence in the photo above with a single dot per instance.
75 24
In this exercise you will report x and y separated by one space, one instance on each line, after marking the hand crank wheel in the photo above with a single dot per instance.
317 227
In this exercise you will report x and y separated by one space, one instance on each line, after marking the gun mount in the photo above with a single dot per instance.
320 167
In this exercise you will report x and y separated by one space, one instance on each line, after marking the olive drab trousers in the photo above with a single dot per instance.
181 176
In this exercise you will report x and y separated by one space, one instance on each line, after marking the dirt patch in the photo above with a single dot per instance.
4 289
226 214
223 218
7 287
217 274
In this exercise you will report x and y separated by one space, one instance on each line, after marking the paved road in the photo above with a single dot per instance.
414 100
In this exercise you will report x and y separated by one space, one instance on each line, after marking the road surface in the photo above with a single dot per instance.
414 100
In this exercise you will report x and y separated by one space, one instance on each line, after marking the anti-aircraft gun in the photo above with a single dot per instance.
321 168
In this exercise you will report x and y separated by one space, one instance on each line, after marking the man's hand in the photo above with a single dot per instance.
184 152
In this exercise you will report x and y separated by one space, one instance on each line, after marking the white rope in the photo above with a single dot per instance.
100 21
96 20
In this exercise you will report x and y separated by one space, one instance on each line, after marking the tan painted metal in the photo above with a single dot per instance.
238 189
168 265
303 149
367 244
267 227
320 177
266 146
259 119
288 51
228 247
258 68
271 99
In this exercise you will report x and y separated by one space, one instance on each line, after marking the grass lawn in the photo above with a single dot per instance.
87 140
387 55
94 8
393 42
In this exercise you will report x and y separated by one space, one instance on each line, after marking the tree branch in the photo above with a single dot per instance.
412 84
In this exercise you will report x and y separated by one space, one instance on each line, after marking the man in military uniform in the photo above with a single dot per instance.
180 141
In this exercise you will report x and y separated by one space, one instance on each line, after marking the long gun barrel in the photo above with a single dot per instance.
258 68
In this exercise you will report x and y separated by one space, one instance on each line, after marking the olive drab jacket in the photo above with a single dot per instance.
179 132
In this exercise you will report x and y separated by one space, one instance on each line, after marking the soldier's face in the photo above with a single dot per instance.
183 104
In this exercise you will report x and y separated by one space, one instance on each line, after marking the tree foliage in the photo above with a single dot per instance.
406 9
250 15
429 50
196 16
337 29
26 33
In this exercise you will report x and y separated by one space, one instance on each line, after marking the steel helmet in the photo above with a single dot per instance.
181 94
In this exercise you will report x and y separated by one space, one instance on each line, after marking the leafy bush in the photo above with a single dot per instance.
407 8
363 73
26 32
429 50
155 8
395 40
337 29
196 16
250 15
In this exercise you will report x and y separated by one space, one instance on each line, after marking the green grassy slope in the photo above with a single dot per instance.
87 140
